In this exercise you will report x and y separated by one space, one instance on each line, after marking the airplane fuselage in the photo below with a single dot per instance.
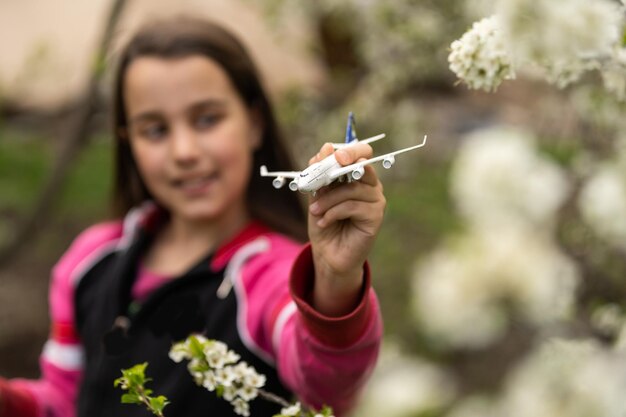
316 176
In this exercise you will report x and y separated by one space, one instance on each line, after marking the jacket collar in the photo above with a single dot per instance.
148 217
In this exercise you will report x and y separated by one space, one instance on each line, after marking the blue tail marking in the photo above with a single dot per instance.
350 128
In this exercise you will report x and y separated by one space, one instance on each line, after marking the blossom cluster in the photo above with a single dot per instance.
506 263
557 41
216 368
550 36
479 58
466 293
499 179
404 385
613 73
602 203
574 378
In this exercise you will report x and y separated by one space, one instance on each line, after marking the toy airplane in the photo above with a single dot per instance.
328 170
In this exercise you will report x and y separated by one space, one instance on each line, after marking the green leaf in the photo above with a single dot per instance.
196 347
131 398
326 411
158 403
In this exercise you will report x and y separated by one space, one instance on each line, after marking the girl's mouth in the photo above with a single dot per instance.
196 184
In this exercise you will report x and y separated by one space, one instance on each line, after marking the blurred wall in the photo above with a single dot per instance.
47 46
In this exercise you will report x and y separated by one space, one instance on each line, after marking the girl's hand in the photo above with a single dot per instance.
344 219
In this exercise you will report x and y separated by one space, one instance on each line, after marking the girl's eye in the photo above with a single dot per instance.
205 121
153 131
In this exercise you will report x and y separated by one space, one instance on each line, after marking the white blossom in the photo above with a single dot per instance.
608 319
247 392
498 179
602 203
292 410
210 381
241 407
465 292
559 378
567 378
229 393
178 353
400 43
404 386
475 406
614 73
620 342
255 380
225 376
479 57
562 38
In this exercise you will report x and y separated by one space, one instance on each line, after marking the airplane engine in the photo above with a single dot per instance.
293 185
389 161
278 182
358 173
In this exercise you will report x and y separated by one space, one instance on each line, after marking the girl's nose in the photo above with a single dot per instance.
185 147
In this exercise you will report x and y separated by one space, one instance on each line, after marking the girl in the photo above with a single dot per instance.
206 245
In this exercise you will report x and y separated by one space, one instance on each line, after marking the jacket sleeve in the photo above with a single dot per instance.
324 360
61 362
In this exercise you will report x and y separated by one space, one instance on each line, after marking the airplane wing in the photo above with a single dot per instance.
389 157
354 142
283 174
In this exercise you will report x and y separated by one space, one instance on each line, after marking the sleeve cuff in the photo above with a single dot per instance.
16 402
336 332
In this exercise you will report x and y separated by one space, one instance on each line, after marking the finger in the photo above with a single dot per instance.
326 150
357 211
351 154
369 176
354 191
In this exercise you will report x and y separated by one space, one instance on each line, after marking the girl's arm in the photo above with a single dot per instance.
343 222
326 334
54 394
324 360
337 333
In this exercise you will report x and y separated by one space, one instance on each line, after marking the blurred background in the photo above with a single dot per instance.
500 263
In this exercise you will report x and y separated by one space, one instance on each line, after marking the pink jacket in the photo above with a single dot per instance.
324 360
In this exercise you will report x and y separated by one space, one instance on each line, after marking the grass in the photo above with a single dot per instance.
26 161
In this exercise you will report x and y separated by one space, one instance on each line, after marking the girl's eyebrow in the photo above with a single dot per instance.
208 103
200 105
145 116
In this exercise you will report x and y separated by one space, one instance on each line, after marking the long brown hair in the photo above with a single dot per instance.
182 37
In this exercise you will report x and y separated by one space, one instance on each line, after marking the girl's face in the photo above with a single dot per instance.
191 135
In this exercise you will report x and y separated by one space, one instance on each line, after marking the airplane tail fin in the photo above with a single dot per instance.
350 128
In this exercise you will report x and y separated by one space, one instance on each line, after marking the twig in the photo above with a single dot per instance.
273 398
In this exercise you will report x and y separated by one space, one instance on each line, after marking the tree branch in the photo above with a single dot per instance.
74 142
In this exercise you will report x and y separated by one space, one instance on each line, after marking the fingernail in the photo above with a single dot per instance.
321 223
314 208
